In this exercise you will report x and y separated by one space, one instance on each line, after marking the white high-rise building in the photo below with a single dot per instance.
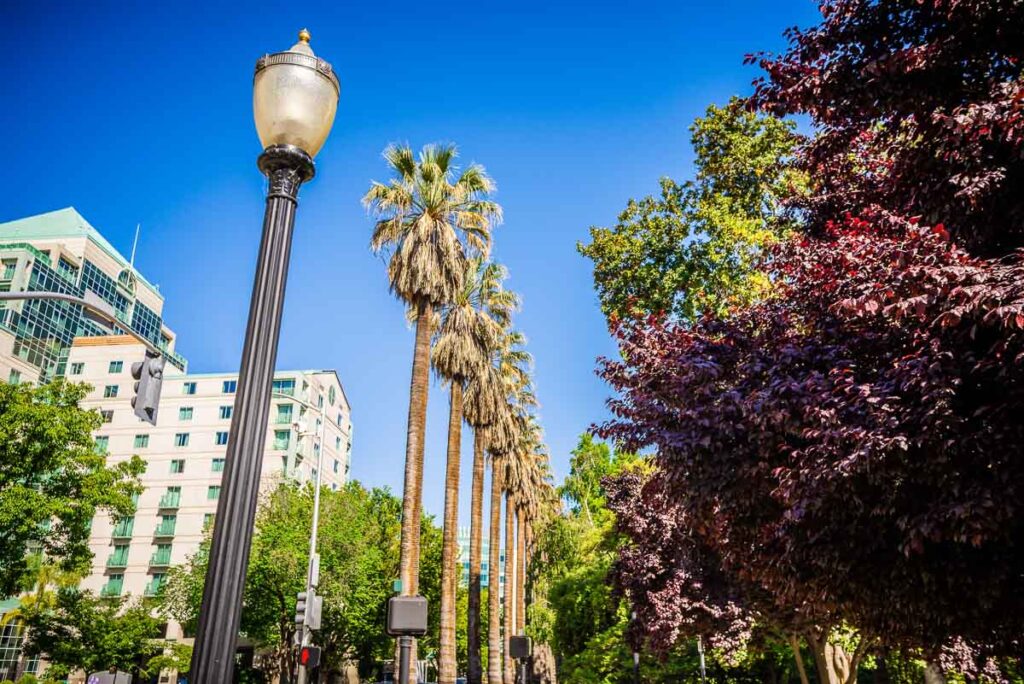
185 451
184 454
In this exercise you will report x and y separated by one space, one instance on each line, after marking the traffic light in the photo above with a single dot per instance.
308 607
301 606
309 657
149 376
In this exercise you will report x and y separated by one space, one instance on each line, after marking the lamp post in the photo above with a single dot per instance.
295 97
313 567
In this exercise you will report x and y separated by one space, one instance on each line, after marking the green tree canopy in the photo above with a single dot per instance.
693 249
53 480
359 556
82 631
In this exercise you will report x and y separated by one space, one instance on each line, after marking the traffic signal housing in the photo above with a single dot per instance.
407 616
520 647
149 377
308 608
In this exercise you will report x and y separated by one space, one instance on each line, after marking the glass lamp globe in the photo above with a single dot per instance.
294 98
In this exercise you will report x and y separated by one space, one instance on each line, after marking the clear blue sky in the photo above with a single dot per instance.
141 112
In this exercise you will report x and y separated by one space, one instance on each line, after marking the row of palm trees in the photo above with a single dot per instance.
434 221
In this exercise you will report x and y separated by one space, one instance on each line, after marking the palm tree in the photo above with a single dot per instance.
424 213
510 367
47 577
471 327
515 480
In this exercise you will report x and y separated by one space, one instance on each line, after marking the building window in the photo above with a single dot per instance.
340 420
116 367
281 439
284 414
225 412
336 465
222 438
331 396
213 493
312 475
334 486
229 386
181 439
141 441
113 586
108 416
337 443
110 391
218 465
188 388
177 466
15 377
285 387
320 401
77 368
207 520
9 267
102 443
167 525
185 413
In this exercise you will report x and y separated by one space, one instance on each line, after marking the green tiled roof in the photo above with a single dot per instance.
63 223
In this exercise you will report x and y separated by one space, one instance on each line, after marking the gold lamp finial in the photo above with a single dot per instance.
304 35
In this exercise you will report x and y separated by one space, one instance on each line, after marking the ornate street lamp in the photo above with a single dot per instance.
295 97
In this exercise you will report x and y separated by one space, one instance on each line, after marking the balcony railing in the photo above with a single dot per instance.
117 561
164 530
109 590
122 531
170 500
160 559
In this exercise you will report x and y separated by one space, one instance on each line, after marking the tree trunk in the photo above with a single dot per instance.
413 486
520 572
494 668
799 658
450 567
933 674
475 667
510 586
834 664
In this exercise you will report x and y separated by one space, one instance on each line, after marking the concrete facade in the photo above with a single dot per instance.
184 454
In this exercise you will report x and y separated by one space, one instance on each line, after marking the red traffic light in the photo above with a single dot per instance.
309 656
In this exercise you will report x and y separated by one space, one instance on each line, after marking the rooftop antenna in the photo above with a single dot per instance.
131 264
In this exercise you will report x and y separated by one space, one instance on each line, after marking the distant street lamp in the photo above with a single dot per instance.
295 97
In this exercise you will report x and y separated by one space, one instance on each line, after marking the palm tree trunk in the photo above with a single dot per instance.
476 512
521 572
413 486
494 580
450 567
510 585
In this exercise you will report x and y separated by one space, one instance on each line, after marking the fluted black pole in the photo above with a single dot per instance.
213 657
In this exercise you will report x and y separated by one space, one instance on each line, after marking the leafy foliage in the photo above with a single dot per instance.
841 452
82 631
842 455
694 249
919 109
359 550
53 480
